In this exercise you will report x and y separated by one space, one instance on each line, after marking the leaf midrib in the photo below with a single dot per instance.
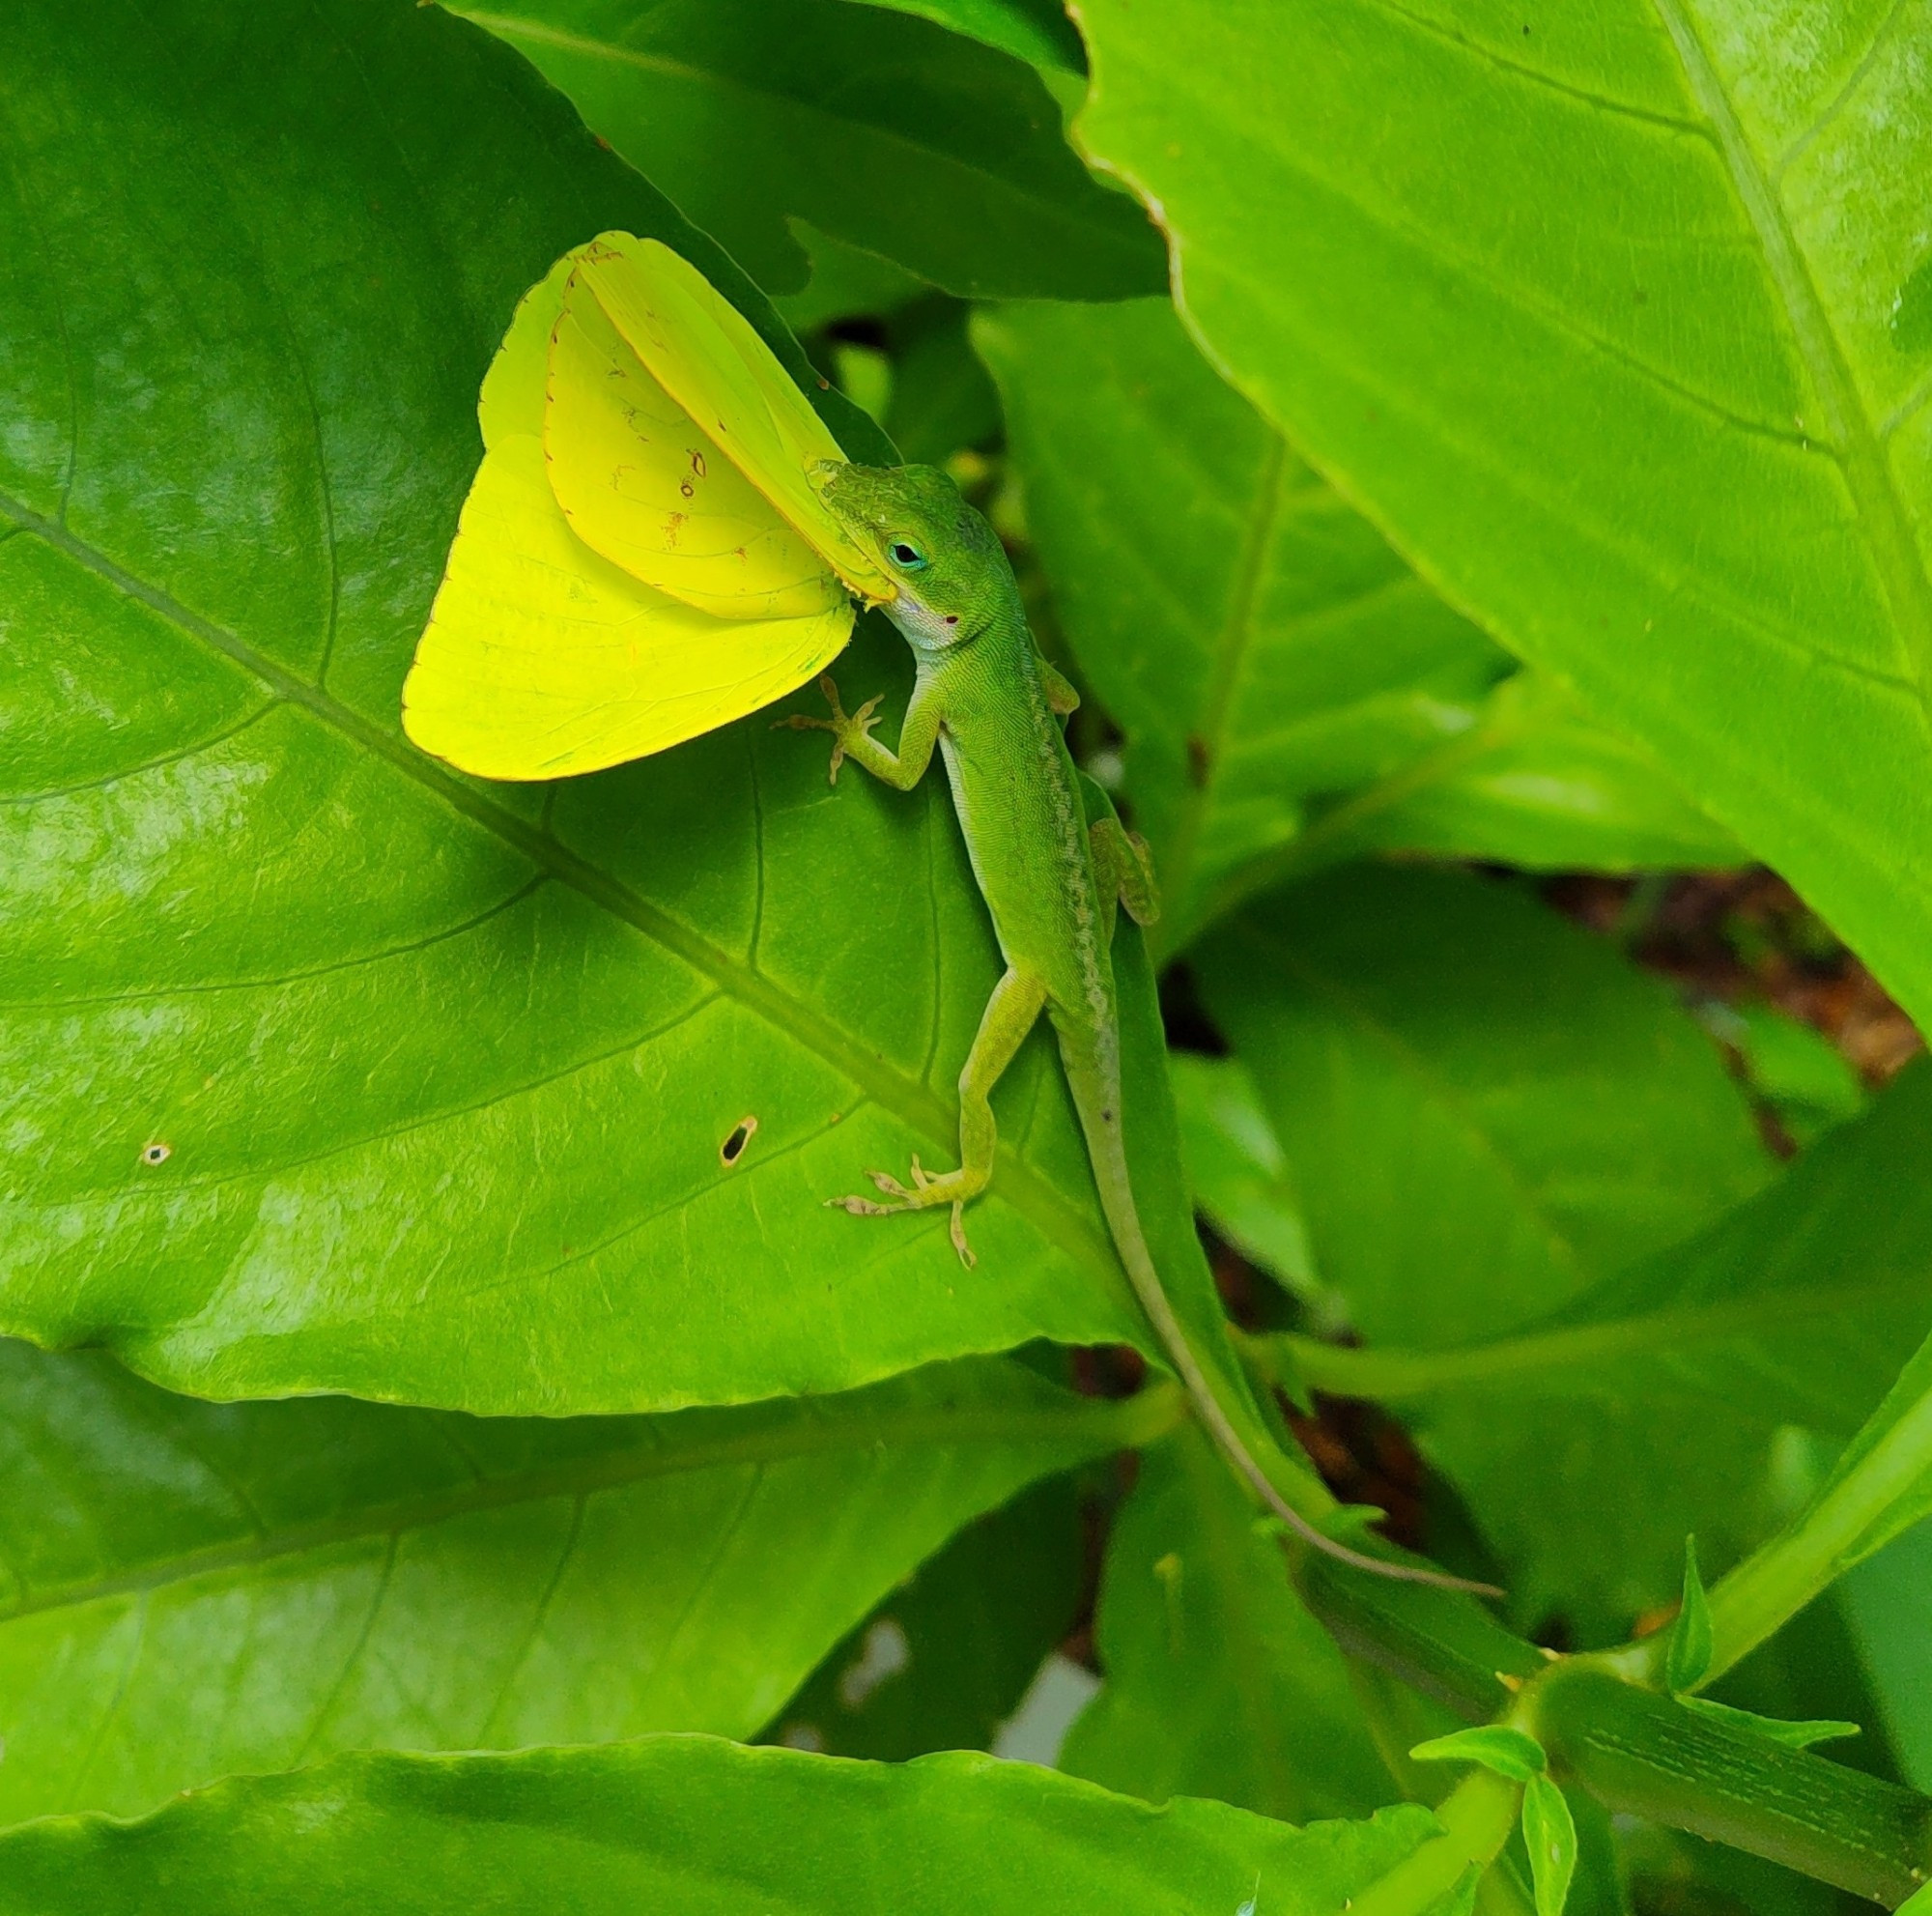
1232 645
1111 1423
1391 1374
1853 443
1024 1189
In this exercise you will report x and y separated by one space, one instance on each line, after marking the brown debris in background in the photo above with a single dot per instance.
1741 936
1364 1457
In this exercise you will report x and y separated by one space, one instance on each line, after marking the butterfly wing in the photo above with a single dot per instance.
642 483
541 659
547 653
512 399
710 359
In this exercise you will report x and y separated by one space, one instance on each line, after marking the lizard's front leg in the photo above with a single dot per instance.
852 736
1010 1012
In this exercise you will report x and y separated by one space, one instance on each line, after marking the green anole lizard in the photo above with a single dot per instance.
984 695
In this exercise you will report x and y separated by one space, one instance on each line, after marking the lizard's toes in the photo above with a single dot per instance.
859 1206
890 1185
959 1243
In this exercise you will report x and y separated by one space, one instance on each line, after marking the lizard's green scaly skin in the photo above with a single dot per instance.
992 705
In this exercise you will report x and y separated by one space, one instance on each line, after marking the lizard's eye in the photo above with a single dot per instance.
907 558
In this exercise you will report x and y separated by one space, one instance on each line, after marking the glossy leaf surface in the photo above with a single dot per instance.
327 1068
1291 692
1620 328
882 130
1240 1177
687 1824
193 1589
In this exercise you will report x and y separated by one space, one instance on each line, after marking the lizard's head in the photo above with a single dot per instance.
941 553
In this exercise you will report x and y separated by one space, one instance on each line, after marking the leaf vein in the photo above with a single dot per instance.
272 980
1875 496
1845 94
135 771
655 1454
492 1717
336 1690
1230 648
1622 109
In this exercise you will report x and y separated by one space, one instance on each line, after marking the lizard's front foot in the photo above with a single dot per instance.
954 1187
845 728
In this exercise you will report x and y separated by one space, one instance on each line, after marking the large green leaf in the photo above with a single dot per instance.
883 131
688 1826
1485 1108
192 1589
1218 1682
1593 1442
1617 321
324 1067
1486 1111
1267 653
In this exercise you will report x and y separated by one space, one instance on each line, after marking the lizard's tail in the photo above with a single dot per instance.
1107 1153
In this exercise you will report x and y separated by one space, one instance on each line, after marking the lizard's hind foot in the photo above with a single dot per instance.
926 1192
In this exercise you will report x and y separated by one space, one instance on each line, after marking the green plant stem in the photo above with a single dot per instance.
1779 1579
1476 1817
1392 1376
1330 837
1647 1755
1634 1749
1501 1892
1434 1640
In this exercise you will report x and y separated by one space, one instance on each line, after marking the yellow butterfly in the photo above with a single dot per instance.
642 557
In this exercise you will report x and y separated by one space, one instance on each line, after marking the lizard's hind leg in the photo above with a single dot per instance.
1124 870
1010 1012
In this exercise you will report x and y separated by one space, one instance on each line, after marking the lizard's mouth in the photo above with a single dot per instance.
827 478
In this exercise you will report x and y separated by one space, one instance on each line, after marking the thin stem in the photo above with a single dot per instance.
1841 1528
1393 1376
1331 837
1437 1643
1476 1817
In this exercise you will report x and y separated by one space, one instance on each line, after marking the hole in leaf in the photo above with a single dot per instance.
734 1147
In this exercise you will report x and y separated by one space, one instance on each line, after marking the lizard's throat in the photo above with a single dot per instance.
924 629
